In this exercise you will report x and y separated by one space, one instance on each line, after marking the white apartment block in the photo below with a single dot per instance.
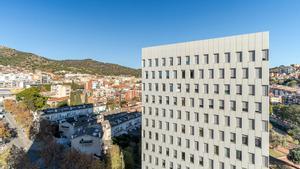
206 104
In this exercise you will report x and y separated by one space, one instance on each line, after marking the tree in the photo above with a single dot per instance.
294 155
295 133
5 132
18 159
51 154
129 158
114 160
76 160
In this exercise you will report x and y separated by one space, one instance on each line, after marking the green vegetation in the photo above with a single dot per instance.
32 99
3 158
75 98
131 148
294 155
114 158
31 61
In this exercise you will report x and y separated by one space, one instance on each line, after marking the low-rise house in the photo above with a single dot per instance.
69 126
122 123
58 114
88 140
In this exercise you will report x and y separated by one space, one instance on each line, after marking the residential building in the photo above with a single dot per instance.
58 90
58 114
206 104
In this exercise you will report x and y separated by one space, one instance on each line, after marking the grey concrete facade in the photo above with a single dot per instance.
206 104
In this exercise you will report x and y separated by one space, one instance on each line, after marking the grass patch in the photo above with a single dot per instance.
275 153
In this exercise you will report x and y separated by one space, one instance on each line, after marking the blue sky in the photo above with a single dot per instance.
115 30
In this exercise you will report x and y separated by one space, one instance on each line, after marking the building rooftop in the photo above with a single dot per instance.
66 108
116 119
82 120
94 131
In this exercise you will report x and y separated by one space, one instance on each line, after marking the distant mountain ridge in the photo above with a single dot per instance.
13 57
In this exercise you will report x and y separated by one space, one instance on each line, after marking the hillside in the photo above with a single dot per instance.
32 61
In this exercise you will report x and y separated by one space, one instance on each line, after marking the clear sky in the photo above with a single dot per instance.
115 30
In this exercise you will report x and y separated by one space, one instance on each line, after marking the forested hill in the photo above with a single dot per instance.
12 57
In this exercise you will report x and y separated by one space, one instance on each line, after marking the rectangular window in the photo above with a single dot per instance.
252 56
201 132
265 90
178 60
163 61
175 74
211 103
239 89
206 59
196 117
258 142
197 59
245 139
265 126
251 158
266 161
245 106
258 72
239 155
216 88
221 73
143 63
227 152
251 90
183 74
187 60
196 88
206 89
227 88
192 74
232 73
239 56
222 135
201 73
265 54
227 57
227 121
252 124
211 73
258 107
239 123
205 118
150 62
233 105
187 88
221 104
245 73
216 119
167 74
156 62
216 57
171 61
201 103
232 137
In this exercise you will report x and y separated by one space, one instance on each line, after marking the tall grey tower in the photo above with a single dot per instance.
206 104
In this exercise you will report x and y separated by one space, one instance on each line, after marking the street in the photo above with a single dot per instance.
21 140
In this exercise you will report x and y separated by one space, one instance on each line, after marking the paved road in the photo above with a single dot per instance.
21 140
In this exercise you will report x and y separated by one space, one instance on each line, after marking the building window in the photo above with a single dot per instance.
239 123
227 121
201 161
163 61
167 74
149 62
239 56
171 61
258 142
233 105
252 55
197 59
251 90
201 132
233 73
192 74
217 58
143 63
232 137
221 104
211 73
258 72
175 74
206 59
227 88
222 135
211 133
216 119
245 106
216 88
187 88
211 103
265 54
252 124
252 158
239 90
265 125
216 150
227 57
266 161
187 60
206 148
221 73
265 90
156 62
178 60
196 117
196 88
201 103
201 73
205 118
239 155
245 139
258 107
245 73
183 74
206 89
227 152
